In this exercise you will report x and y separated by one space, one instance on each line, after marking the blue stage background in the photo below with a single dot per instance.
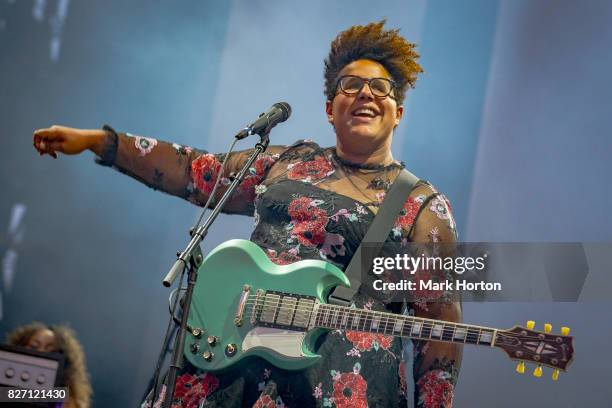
511 120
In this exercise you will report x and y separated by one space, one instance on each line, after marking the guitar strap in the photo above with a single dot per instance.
375 237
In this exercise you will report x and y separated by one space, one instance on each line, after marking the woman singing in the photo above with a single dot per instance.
311 202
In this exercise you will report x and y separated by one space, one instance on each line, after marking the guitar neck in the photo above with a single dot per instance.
345 318
301 313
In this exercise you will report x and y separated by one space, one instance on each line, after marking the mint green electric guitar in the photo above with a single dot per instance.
245 305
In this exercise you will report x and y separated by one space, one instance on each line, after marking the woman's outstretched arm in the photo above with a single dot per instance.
179 170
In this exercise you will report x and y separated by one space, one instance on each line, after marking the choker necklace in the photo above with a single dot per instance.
361 166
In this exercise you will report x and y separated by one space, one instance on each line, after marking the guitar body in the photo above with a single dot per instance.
228 283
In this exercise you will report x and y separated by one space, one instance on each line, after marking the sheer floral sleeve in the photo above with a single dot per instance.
436 364
190 173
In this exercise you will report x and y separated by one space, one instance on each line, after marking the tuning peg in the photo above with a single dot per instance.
555 374
538 371
565 331
547 327
520 367
530 324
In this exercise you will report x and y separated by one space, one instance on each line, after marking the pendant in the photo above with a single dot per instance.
379 184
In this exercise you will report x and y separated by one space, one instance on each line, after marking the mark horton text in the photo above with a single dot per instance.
411 264
462 284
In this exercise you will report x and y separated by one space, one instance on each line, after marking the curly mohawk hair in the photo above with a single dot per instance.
373 42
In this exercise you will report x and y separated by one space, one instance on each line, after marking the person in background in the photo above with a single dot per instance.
58 339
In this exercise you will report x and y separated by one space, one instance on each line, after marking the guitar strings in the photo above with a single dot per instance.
387 322
386 318
331 308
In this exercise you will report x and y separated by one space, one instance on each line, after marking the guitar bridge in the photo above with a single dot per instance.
244 296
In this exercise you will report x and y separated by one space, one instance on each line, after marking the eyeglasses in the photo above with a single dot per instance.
352 85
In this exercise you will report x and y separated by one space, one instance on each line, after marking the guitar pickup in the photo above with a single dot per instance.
282 310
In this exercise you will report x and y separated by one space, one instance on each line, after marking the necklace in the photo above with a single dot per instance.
378 182
362 166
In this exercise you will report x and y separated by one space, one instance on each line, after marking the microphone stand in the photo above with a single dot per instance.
192 258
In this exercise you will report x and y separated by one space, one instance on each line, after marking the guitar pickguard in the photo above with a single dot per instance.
285 342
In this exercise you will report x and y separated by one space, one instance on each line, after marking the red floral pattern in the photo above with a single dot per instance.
310 233
265 401
350 391
408 213
206 168
311 171
384 342
191 389
204 171
285 258
308 222
435 390
365 341
300 209
247 187
263 164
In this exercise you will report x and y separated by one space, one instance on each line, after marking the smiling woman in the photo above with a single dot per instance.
311 202
363 121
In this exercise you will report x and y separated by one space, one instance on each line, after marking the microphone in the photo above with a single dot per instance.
279 112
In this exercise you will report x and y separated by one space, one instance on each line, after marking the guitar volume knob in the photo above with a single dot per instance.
194 347
208 355
197 333
212 340
230 350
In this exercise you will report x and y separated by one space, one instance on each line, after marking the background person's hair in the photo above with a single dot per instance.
75 372
373 42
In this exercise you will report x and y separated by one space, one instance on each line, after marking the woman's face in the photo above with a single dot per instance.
43 340
354 125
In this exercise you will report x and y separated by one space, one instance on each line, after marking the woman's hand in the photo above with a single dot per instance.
67 140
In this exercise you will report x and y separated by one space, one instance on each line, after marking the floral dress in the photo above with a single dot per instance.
310 204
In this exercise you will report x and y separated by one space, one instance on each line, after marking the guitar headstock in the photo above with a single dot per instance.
540 347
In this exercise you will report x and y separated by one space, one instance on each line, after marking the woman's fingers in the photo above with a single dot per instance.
37 141
45 132
51 133
48 140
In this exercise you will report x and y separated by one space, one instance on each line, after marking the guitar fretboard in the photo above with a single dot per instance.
295 312
343 318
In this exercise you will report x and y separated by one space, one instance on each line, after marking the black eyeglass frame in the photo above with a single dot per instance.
364 82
